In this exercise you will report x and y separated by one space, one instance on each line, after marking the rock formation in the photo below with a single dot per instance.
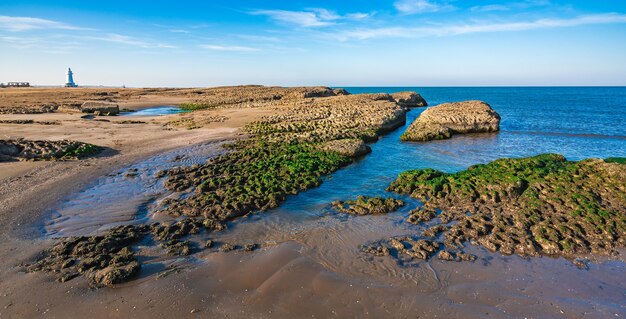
24 150
100 108
409 99
541 205
444 120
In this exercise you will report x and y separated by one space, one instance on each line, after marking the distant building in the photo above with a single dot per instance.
69 82
15 85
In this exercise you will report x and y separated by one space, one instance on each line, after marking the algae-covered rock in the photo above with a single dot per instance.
444 120
114 274
24 150
364 205
409 99
286 153
528 206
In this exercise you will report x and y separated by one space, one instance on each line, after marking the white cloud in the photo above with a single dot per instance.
127 40
459 29
420 6
232 48
358 15
314 17
17 24
491 7
510 6
299 18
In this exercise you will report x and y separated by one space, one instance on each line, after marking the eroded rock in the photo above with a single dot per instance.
444 120
21 149
409 99
541 205
100 107
365 205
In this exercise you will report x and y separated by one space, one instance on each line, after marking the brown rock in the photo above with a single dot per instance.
409 99
444 120
100 107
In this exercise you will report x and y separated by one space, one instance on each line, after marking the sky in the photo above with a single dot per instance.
298 42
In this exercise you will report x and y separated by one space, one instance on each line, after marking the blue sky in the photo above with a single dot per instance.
335 43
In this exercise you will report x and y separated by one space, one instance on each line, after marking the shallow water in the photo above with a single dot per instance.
123 197
156 111
576 122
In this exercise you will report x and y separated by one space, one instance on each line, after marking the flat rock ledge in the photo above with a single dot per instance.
100 108
444 120
409 99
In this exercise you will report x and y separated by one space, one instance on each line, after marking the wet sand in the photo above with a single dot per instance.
309 265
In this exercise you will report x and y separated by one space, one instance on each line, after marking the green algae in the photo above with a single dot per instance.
80 150
257 176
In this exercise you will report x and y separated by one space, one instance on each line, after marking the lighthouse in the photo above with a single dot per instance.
69 83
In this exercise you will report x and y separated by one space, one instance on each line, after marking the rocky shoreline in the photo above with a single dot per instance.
316 131
541 205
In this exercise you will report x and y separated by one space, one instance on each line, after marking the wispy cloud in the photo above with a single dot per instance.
179 31
17 24
314 17
421 6
131 41
230 48
510 6
459 29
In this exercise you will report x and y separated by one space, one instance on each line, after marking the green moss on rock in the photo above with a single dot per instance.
527 206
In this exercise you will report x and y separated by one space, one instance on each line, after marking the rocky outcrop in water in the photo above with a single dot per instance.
23 150
409 99
444 120
542 205
364 205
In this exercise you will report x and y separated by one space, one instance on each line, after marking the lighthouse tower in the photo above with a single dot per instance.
69 83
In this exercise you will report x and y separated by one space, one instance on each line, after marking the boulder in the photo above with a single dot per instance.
347 147
103 108
444 120
409 99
